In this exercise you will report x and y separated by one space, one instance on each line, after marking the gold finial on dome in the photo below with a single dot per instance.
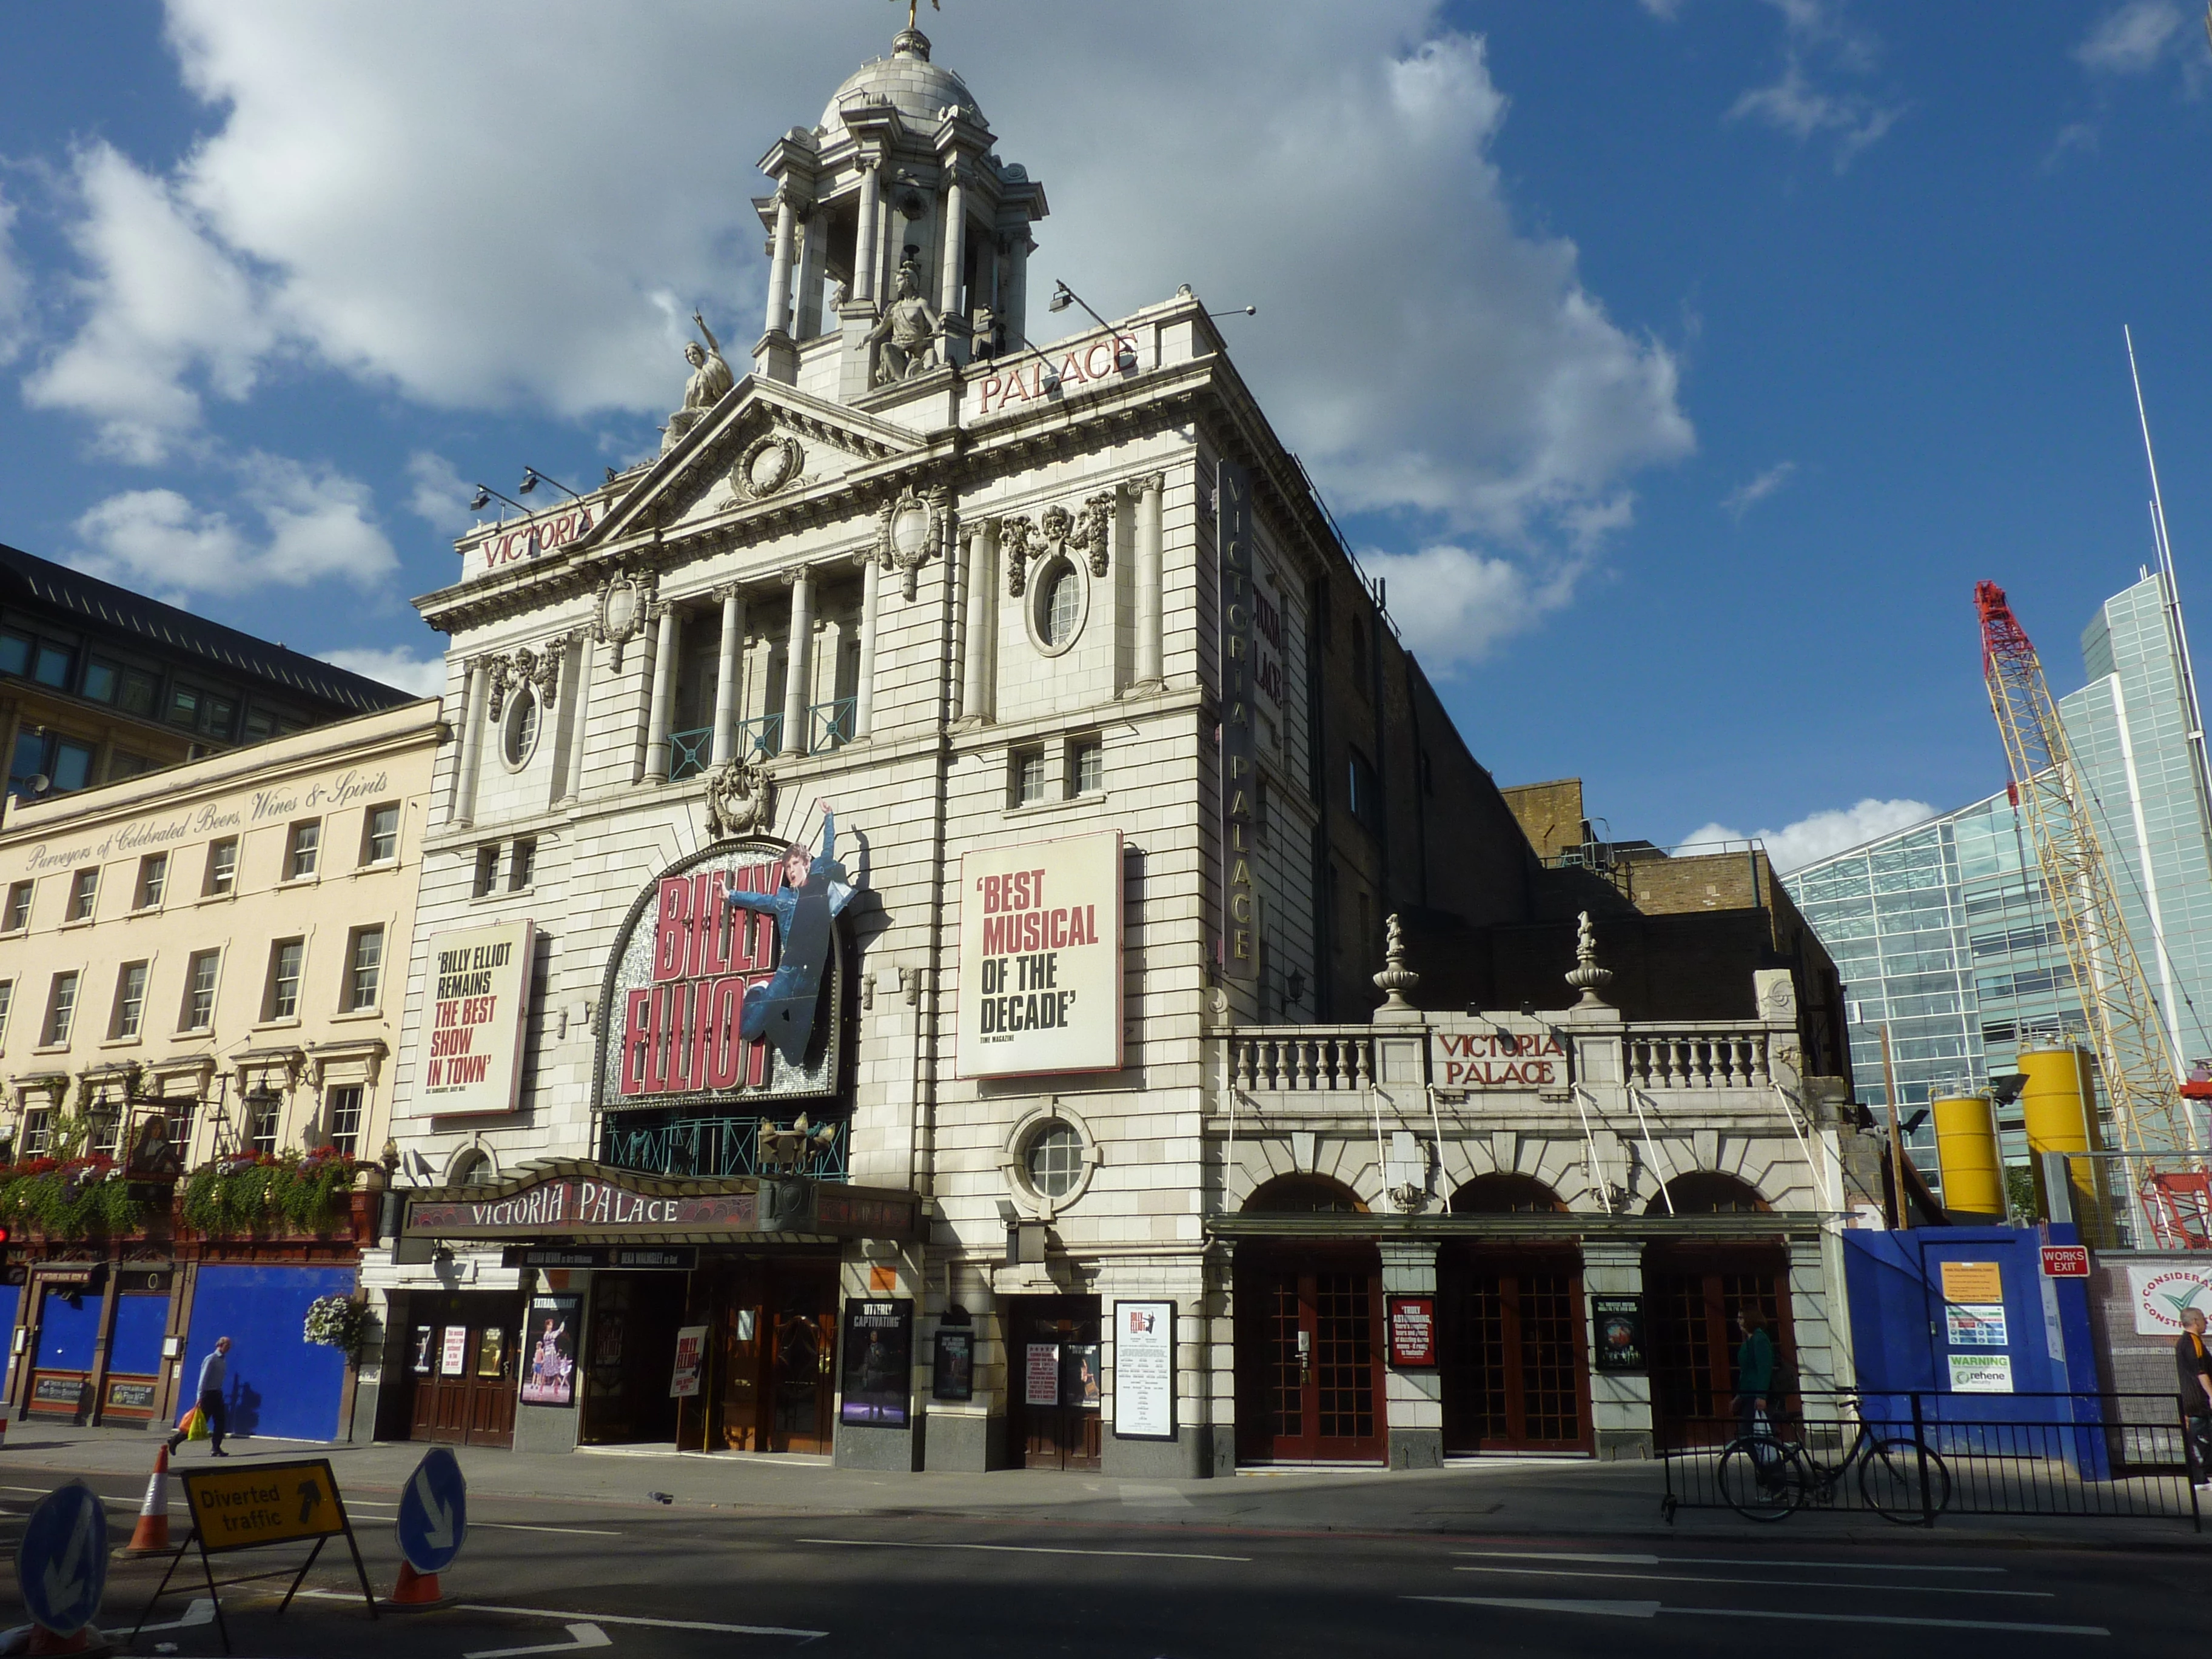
913 6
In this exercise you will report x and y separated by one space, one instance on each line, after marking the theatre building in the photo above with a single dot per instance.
900 923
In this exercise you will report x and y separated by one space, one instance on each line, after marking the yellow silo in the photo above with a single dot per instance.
1967 1151
2056 1110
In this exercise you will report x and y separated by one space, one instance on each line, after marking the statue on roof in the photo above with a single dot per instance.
907 332
710 379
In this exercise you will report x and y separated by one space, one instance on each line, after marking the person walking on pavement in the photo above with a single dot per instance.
1755 1374
2194 1365
212 1370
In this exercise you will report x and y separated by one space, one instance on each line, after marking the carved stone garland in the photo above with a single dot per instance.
1090 531
741 798
619 615
908 536
539 669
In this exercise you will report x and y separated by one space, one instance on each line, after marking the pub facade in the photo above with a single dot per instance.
907 851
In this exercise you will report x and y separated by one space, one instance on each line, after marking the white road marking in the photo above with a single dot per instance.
587 1636
647 1624
1652 1609
1782 1583
517 1526
202 1612
1716 1561
1019 1549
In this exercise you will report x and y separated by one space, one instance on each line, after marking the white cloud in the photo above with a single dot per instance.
1796 104
1452 606
2130 39
439 201
423 676
315 526
1747 495
439 495
1819 834
15 290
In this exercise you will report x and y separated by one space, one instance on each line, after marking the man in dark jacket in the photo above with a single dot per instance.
2194 1365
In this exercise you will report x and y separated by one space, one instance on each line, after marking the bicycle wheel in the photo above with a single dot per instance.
1761 1478
1904 1481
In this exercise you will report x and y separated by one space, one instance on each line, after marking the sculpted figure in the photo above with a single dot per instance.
907 331
710 379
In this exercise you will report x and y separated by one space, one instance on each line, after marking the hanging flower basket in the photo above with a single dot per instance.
336 1322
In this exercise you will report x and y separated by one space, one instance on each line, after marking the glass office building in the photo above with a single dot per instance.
1943 932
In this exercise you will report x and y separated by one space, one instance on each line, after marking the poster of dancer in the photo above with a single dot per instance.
550 1336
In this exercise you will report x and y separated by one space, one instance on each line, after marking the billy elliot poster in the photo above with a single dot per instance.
479 986
1041 957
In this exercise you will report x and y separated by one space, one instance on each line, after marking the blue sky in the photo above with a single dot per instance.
1682 366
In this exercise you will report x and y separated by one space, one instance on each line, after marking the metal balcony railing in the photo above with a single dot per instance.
829 725
761 735
711 1147
688 752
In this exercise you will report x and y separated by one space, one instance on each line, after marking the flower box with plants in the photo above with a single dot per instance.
69 1197
257 1193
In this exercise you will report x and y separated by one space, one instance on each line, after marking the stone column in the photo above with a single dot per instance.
1817 1308
982 597
1151 578
863 691
813 246
1620 1406
796 666
474 691
1014 289
1414 1399
726 675
956 242
779 272
864 251
572 786
664 693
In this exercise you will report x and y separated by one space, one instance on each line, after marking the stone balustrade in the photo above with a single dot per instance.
1697 1060
1302 1058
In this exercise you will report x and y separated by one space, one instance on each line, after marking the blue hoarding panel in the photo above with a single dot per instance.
68 1329
137 1345
278 1384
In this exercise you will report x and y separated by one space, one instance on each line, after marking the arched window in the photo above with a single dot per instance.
1707 1192
1502 1193
1304 1195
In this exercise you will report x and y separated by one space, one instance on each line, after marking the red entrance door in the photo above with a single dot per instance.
1692 1302
1310 1347
462 1354
1515 1374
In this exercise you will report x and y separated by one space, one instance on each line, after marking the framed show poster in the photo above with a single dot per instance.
952 1372
453 1358
1041 1374
549 1339
425 1348
1617 1321
878 1362
1143 1371
1413 1321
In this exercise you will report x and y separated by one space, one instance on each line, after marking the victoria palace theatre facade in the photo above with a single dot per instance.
903 921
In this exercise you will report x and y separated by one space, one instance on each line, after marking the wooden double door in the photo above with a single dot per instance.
1693 1302
770 1375
1055 1387
462 1367
1309 1358
1512 1350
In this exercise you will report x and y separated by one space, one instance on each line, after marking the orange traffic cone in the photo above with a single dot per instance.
151 1534
416 1589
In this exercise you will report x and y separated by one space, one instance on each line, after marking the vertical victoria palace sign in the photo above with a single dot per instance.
1232 501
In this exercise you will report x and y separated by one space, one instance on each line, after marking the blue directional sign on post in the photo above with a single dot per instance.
434 1512
62 1563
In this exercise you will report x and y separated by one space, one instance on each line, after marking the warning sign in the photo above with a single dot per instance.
265 1503
1973 1281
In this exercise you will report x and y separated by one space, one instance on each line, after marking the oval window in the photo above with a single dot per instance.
519 736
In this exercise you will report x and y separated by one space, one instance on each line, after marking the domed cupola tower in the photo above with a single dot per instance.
899 243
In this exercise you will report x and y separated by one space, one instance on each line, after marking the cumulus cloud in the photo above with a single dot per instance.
1748 495
14 288
438 494
369 198
1452 606
423 676
315 524
1819 40
1819 834
2131 39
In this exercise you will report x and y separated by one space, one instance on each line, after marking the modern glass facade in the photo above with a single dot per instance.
1944 932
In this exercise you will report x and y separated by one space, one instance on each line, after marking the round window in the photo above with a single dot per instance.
518 735
1054 1161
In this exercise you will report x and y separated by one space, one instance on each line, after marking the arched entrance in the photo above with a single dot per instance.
1694 1295
1514 1355
1310 1347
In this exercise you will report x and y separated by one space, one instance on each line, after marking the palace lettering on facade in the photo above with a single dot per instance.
952 798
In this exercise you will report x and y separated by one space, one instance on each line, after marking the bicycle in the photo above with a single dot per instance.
1764 1477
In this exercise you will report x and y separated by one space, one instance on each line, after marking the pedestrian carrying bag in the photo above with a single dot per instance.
194 1423
1765 1452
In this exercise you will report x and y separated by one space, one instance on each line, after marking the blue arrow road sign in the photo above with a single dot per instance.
62 1563
434 1512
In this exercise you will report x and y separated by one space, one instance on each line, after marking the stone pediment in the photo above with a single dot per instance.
765 443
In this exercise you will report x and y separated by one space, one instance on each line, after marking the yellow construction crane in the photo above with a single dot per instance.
2141 1086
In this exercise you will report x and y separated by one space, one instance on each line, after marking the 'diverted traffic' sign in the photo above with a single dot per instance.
256 1504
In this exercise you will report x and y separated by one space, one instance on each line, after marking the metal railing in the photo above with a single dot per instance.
710 1148
1916 1456
829 725
763 734
688 752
